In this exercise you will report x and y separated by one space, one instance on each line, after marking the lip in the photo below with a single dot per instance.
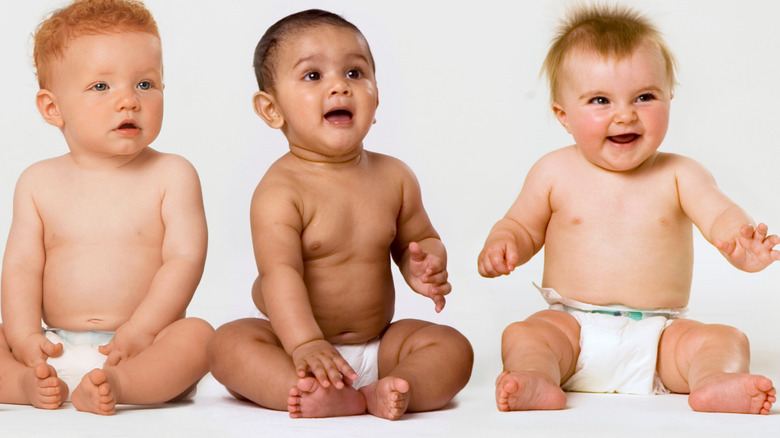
128 127
339 116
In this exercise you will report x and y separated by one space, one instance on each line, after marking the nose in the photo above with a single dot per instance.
625 114
128 100
340 86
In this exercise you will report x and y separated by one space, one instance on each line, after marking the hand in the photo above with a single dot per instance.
127 342
752 250
499 257
428 275
36 349
319 358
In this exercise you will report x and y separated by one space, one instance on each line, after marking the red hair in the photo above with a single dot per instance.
86 17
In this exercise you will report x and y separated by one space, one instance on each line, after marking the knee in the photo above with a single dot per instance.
723 335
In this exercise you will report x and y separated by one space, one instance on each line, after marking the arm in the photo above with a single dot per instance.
722 222
276 235
417 248
22 280
520 234
183 257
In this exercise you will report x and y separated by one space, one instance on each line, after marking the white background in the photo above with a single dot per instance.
462 103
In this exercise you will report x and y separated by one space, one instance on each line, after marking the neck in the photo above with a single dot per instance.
106 162
311 158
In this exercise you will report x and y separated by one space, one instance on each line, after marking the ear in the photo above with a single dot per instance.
266 107
560 114
47 106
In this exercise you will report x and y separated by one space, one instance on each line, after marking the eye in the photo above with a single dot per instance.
647 97
312 76
599 100
100 86
144 85
354 74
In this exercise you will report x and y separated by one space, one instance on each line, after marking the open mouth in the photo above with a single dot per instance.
623 138
127 124
338 116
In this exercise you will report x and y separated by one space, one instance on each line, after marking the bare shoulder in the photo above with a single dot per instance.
170 166
281 185
390 166
42 173
681 165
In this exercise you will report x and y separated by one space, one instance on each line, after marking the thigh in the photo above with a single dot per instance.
243 330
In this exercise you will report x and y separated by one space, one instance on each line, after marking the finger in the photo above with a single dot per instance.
498 262
113 358
439 301
416 252
50 349
349 374
747 231
725 246
106 349
334 375
512 257
436 279
762 230
319 372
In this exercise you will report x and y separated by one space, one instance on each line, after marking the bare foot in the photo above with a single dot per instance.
736 393
387 398
43 388
308 399
94 394
526 391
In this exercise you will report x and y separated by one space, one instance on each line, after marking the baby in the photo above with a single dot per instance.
108 242
326 219
615 216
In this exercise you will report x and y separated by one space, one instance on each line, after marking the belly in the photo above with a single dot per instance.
96 288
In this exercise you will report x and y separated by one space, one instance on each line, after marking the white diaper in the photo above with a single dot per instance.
364 359
80 353
618 346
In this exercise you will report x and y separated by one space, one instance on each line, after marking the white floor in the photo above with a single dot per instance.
214 413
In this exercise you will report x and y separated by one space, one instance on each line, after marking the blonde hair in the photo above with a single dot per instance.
86 17
611 31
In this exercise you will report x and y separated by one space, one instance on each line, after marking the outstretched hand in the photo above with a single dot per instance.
319 358
752 250
428 275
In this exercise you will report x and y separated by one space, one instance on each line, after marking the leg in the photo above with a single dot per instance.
421 367
171 365
539 354
711 362
247 357
37 386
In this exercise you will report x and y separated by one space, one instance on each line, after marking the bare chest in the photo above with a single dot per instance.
360 223
101 214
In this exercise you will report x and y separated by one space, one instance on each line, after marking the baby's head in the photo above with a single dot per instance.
613 32
81 18
267 50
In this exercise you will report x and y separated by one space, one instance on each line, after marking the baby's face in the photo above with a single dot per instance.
617 110
326 92
108 90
